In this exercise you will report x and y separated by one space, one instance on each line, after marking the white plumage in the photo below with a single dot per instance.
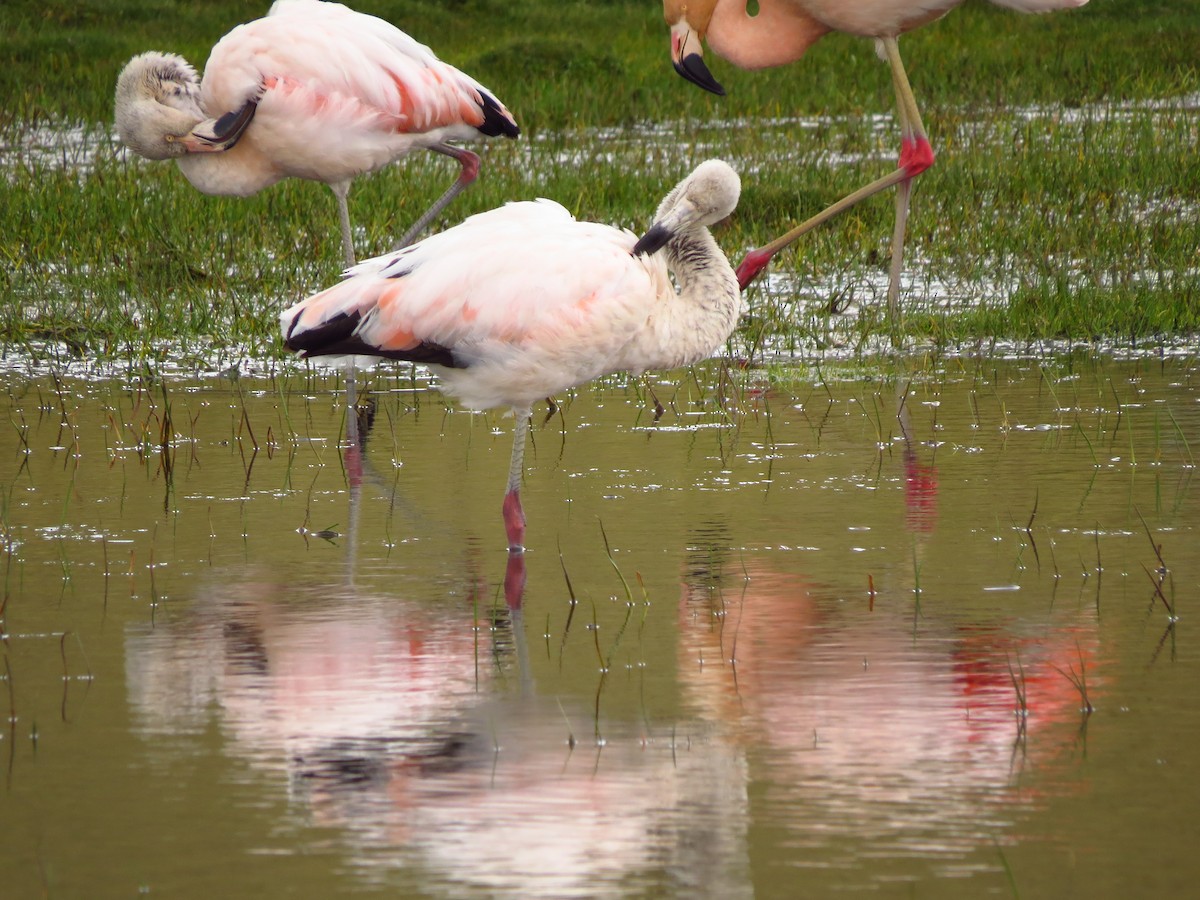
313 90
523 302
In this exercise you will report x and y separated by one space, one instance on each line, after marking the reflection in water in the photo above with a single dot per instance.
433 753
920 479
390 721
410 717
876 743
360 470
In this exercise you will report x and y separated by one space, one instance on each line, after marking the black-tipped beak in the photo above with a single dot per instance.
692 67
225 131
653 240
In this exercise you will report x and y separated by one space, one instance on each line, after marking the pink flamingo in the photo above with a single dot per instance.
522 302
780 33
314 90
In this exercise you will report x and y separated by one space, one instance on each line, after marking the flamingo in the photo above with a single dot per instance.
313 90
522 302
780 33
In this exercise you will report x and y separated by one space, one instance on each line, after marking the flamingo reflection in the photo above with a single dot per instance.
360 471
874 735
396 724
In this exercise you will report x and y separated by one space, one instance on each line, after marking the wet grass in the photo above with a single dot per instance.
1062 206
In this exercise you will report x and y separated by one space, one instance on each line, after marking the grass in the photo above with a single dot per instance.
1062 205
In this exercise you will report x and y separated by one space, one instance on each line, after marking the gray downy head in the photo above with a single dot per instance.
157 104
708 195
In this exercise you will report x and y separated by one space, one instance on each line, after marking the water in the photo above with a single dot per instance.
826 633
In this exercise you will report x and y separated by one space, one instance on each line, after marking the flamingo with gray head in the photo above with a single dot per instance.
522 302
313 90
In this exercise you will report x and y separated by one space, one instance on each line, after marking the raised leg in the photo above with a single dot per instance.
916 156
470 171
514 516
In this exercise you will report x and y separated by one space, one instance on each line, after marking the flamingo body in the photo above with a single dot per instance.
781 32
522 302
313 90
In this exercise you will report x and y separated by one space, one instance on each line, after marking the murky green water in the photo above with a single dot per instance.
800 671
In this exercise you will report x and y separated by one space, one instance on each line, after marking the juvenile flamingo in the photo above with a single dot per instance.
523 302
781 32
313 90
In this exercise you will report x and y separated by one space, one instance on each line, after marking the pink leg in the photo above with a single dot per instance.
514 579
514 521
514 516
916 155
470 171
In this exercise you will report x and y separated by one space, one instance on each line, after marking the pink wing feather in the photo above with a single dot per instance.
324 74
521 276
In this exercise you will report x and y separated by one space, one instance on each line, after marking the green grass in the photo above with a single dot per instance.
1076 222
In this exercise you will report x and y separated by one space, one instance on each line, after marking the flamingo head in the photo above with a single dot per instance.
158 105
688 20
708 195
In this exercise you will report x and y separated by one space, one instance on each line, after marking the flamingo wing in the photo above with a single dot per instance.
523 279
320 71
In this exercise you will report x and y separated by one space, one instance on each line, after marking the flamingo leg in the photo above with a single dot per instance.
514 583
470 171
916 156
514 516
341 190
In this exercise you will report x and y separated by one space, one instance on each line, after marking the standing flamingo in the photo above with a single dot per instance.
313 90
522 302
780 33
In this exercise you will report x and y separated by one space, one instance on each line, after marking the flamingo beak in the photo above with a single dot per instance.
680 217
687 55
653 240
196 143
215 135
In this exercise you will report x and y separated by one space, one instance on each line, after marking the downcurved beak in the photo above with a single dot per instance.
680 217
215 135
653 240
687 55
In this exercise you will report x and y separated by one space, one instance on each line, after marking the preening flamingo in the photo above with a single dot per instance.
523 302
781 32
313 90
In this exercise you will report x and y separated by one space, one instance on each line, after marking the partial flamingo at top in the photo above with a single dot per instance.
781 32
313 90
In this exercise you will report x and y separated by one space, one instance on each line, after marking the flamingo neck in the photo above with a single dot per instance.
237 172
694 321
780 33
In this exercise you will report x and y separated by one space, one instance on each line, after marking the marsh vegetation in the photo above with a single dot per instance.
814 612
1063 204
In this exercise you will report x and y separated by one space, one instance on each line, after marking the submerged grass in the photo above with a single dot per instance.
1063 204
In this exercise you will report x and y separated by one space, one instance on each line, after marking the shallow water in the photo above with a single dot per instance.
828 634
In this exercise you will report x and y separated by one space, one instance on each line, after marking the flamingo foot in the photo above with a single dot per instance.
755 262
916 155
514 521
